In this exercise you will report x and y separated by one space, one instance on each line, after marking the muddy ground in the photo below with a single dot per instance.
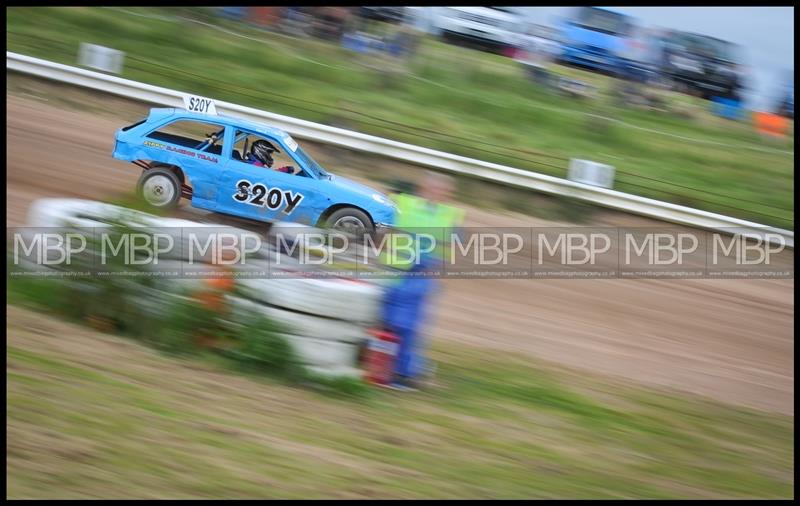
731 340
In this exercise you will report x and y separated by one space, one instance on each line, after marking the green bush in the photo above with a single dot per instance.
261 348
340 386
181 323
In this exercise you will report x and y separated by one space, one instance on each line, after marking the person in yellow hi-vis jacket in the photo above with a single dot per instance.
407 299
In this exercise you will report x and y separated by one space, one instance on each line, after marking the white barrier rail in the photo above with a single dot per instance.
407 152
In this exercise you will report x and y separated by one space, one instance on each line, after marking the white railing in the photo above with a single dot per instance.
407 152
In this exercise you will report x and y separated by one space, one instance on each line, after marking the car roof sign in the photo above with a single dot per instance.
198 104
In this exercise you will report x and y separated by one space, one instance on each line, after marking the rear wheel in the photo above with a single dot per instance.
350 220
160 188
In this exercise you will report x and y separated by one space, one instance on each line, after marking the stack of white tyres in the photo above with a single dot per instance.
326 318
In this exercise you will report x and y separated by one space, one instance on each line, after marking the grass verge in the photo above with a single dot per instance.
94 415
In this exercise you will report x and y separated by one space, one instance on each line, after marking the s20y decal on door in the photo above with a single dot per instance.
272 198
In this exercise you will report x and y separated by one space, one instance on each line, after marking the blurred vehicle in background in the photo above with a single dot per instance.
786 107
639 58
596 38
546 37
494 28
701 64
385 14
422 19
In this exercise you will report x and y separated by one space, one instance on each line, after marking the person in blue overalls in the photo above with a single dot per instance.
407 302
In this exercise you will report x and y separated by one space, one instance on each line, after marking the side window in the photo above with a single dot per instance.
244 142
192 134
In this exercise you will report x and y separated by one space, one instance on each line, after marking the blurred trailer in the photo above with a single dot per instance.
495 28
596 38
701 65
391 15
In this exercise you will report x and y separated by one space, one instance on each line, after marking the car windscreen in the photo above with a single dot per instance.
311 163
601 20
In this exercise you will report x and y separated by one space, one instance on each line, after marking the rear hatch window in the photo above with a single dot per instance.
125 129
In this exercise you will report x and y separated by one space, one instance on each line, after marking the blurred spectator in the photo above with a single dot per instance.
536 53
575 88
407 302
236 13
393 38
296 21
330 22
264 16
403 42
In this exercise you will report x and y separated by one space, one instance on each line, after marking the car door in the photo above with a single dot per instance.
265 194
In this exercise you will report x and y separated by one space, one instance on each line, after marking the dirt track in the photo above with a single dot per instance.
728 339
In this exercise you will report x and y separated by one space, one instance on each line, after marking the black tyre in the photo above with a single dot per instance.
160 188
350 220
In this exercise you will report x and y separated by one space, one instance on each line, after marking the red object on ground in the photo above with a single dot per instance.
381 355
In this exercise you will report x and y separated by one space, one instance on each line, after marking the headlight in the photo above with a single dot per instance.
382 200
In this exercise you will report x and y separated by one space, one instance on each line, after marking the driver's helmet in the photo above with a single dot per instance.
262 151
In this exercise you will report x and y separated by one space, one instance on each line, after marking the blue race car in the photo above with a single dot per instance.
208 159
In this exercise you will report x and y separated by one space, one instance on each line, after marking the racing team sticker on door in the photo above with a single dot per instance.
260 196
202 105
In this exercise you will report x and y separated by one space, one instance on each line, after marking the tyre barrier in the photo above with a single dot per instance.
305 325
336 371
343 299
326 344
80 213
326 319
321 353
187 236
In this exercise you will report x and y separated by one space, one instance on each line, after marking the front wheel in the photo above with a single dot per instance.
350 220
160 188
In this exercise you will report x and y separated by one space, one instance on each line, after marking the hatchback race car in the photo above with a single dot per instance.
207 159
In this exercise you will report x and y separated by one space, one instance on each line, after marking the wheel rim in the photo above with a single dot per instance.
158 190
350 224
